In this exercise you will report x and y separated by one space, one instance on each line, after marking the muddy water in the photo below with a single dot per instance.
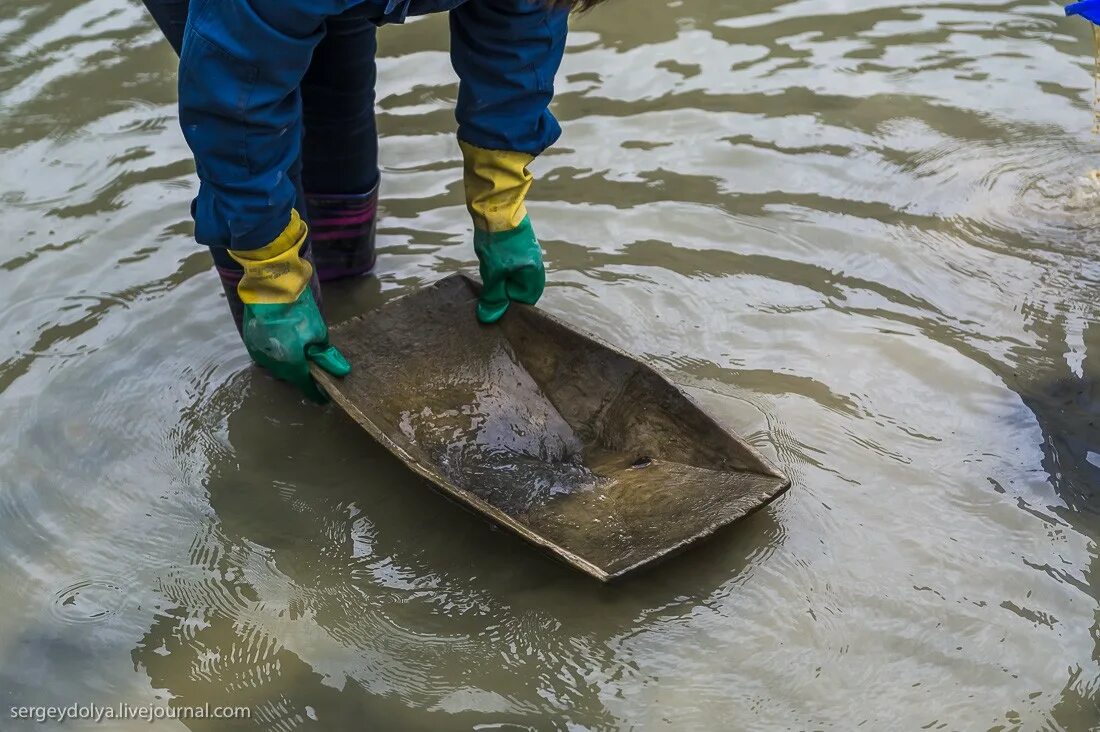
862 233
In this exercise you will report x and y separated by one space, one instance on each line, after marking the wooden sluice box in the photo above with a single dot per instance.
572 444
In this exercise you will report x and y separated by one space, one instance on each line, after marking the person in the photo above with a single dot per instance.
276 102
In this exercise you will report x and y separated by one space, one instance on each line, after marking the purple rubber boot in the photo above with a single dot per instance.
231 277
343 233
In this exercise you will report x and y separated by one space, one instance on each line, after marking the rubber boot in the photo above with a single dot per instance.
230 275
343 229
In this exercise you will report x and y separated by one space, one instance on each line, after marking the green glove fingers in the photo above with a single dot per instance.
284 338
329 358
283 328
511 269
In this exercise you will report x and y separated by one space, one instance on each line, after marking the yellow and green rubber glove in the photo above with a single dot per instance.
283 328
508 252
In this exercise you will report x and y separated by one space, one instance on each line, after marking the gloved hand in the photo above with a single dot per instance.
496 184
282 327
511 269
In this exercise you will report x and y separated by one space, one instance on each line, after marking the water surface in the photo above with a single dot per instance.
862 233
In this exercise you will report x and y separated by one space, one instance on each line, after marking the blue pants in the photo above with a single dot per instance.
340 144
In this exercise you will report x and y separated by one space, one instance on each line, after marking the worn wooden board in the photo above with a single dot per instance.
574 445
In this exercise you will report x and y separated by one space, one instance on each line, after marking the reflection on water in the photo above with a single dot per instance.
350 600
862 234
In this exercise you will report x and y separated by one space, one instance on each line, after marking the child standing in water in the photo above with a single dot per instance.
276 101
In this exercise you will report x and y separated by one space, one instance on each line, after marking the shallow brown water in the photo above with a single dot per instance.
862 233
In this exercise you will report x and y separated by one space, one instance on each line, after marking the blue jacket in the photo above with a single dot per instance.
240 107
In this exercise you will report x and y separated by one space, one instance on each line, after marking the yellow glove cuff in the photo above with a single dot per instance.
275 274
497 183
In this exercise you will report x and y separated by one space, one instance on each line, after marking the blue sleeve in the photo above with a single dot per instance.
506 54
240 109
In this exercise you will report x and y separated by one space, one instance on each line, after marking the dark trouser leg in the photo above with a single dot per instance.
340 150
171 16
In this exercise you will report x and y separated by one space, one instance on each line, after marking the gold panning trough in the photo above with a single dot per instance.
572 444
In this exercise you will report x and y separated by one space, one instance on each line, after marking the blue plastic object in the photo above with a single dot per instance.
1087 9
